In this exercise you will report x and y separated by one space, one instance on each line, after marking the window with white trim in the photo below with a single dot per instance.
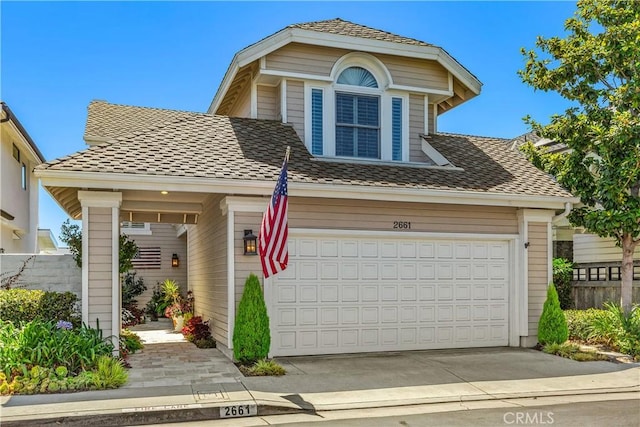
355 116
135 228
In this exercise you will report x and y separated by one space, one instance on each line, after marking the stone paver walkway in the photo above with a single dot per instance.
169 360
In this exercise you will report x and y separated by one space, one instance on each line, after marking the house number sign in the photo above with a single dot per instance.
401 225
234 411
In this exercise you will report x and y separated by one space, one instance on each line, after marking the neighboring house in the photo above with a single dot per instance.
596 260
18 187
400 237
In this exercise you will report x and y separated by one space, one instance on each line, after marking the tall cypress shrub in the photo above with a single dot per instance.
552 327
251 336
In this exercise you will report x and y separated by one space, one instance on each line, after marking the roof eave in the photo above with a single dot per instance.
110 181
10 116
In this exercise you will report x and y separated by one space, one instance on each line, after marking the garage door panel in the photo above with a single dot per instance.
329 248
389 250
308 293
462 251
444 250
329 271
427 271
329 316
462 272
352 294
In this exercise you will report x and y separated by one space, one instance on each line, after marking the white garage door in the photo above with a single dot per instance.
353 294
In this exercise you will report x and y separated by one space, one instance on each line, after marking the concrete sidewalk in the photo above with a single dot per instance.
171 380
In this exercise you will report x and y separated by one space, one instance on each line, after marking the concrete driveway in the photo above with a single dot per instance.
312 374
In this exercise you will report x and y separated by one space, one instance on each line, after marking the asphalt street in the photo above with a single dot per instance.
619 409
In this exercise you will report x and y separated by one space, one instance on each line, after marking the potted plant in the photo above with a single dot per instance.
177 306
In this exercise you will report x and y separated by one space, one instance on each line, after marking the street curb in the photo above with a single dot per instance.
200 412
132 418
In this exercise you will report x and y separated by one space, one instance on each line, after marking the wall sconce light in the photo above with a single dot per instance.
250 243
175 261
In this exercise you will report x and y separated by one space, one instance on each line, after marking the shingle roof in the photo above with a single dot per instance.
105 120
208 146
345 28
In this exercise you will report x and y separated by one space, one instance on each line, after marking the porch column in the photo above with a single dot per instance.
101 291
536 272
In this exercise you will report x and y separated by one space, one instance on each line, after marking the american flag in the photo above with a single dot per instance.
274 253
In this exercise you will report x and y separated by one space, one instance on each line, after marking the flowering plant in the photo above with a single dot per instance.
63 324
177 309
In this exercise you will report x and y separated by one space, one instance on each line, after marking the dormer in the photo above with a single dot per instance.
352 93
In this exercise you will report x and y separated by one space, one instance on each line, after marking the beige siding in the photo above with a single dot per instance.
538 272
374 215
163 236
267 100
295 106
100 257
300 58
278 95
245 264
319 60
416 128
591 248
207 248
432 120
420 73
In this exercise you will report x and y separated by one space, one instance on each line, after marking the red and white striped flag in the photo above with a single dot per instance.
274 253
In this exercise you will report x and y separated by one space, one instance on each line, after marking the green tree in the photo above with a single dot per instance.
251 336
552 326
595 66
71 234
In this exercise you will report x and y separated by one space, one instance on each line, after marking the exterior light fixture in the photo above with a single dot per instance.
250 243
164 192
175 261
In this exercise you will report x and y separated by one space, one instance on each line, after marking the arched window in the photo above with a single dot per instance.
357 76
356 115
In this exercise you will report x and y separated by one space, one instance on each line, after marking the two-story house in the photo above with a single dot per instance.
400 237
18 186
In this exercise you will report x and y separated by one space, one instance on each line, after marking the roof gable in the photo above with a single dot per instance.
338 33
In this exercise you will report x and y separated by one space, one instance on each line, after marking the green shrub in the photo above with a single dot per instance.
109 373
43 344
132 288
23 305
562 276
552 327
580 324
625 329
264 367
251 336
130 342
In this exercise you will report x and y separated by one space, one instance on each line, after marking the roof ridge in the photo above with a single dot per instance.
100 101
472 136
301 25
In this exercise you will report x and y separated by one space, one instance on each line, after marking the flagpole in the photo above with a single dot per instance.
286 156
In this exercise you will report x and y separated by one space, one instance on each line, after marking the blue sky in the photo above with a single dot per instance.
58 56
